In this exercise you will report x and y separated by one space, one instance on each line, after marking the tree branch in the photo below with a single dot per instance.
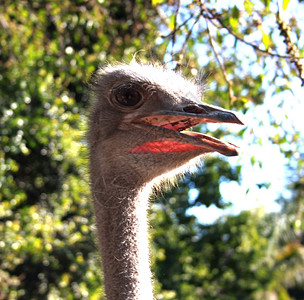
212 15
292 49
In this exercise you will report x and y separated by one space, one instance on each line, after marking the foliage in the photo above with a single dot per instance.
48 51
206 263
250 256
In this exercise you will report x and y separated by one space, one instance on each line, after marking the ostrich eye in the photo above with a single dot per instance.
127 96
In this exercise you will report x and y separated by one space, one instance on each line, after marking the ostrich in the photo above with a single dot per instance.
136 138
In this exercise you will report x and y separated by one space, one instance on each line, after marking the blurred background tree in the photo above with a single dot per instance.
48 50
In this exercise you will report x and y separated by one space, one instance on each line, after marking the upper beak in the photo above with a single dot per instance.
189 116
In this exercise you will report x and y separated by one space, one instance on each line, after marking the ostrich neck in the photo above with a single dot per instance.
122 233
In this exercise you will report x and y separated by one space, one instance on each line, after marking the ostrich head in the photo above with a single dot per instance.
139 118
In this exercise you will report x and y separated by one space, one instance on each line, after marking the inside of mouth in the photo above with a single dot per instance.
209 143
178 123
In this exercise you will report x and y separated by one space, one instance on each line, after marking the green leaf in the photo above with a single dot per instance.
235 12
234 18
266 40
233 23
155 2
248 5
266 2
285 4
265 37
171 22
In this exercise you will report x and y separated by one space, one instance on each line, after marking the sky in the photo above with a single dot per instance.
274 169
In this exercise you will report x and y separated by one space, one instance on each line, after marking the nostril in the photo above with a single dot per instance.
194 109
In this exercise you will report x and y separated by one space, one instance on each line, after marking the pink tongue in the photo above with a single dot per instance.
163 147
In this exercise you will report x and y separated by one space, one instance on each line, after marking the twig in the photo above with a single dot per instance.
174 27
183 51
232 98
173 32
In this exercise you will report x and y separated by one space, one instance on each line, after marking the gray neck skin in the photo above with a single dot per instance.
121 217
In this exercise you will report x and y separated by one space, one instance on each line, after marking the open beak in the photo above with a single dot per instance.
190 116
